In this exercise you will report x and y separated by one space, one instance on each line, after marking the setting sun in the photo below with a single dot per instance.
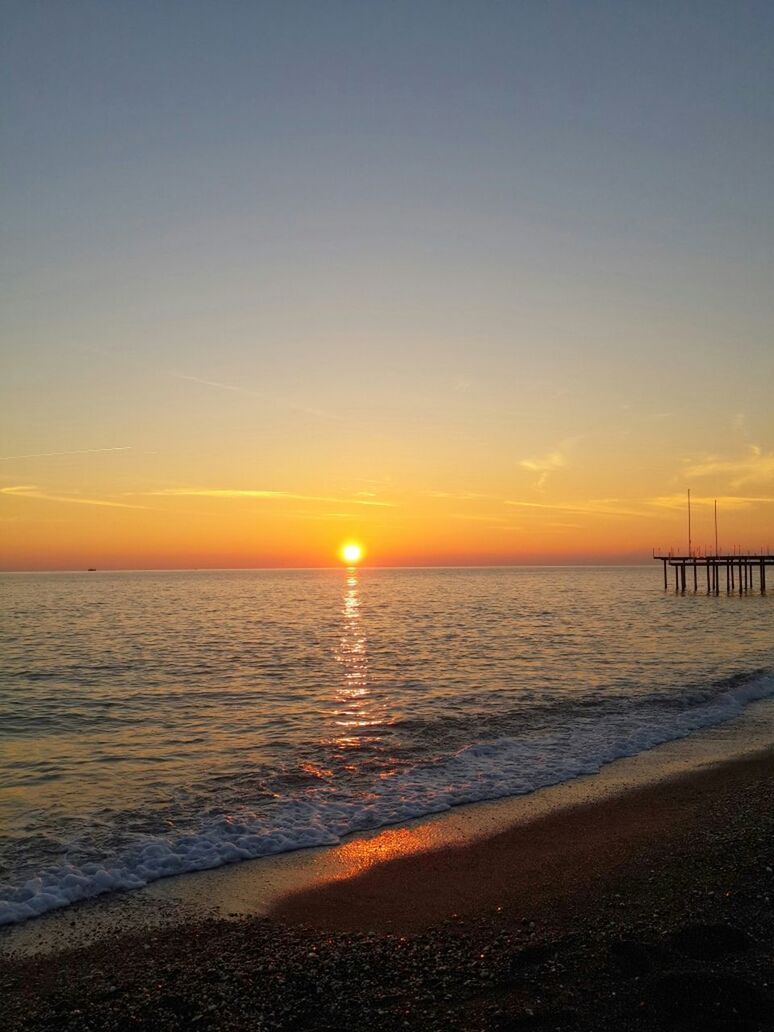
351 552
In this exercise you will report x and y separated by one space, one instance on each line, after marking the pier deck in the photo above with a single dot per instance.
740 571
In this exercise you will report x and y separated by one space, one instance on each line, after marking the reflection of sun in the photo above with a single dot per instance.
351 553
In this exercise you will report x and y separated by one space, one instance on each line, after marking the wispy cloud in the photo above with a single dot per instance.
478 518
551 461
220 492
593 507
458 496
755 466
268 399
34 492
38 519
545 463
300 515
639 507
56 454
679 501
219 385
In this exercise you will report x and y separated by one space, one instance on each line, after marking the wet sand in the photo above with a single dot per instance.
552 862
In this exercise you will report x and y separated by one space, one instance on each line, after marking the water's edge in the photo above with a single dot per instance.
251 888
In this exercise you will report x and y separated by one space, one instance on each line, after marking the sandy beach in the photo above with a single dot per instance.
649 907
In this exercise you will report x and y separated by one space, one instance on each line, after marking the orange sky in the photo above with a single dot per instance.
109 526
470 289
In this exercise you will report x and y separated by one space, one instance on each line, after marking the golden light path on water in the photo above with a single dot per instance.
356 707
359 709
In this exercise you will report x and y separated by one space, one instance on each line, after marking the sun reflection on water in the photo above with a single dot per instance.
352 648
356 708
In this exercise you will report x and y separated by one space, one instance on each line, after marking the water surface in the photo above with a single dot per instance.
152 723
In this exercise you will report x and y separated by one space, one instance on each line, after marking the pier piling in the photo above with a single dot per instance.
740 571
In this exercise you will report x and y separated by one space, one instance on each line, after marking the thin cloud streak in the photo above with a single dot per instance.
323 515
478 518
598 507
34 492
458 496
234 388
679 501
756 466
191 492
56 454
215 384
614 507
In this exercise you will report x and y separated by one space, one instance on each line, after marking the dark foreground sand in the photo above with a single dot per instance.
652 910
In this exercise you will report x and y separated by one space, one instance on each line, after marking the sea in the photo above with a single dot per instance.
154 723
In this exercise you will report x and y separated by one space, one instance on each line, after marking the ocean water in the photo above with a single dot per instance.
155 723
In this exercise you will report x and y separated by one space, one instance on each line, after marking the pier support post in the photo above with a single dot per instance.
741 569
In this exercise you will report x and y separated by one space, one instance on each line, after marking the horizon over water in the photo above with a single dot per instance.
155 722
359 568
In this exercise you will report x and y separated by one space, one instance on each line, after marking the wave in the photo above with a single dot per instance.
480 771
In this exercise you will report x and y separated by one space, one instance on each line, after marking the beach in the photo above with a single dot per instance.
648 906
386 494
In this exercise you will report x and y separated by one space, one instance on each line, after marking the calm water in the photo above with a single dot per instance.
152 723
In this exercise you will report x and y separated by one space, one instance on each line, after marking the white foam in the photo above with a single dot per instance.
486 770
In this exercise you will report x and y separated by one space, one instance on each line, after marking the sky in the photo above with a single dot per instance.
470 281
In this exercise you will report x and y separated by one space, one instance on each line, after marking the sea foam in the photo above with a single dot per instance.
483 770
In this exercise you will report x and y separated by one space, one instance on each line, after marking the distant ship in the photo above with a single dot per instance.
92 569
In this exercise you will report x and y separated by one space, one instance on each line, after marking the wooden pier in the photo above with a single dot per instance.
739 571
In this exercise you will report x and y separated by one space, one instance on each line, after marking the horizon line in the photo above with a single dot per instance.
338 566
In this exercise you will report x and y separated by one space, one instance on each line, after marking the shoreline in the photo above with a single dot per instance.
648 909
544 864
269 885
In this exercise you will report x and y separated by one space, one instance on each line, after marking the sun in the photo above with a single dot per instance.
351 553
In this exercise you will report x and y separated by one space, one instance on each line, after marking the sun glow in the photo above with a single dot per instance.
351 553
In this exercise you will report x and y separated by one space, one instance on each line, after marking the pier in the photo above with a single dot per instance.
740 572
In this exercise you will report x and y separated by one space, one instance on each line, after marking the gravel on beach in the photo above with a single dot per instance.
679 936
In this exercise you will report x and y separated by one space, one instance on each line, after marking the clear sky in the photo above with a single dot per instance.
467 281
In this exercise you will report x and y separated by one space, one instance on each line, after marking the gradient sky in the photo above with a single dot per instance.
467 281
